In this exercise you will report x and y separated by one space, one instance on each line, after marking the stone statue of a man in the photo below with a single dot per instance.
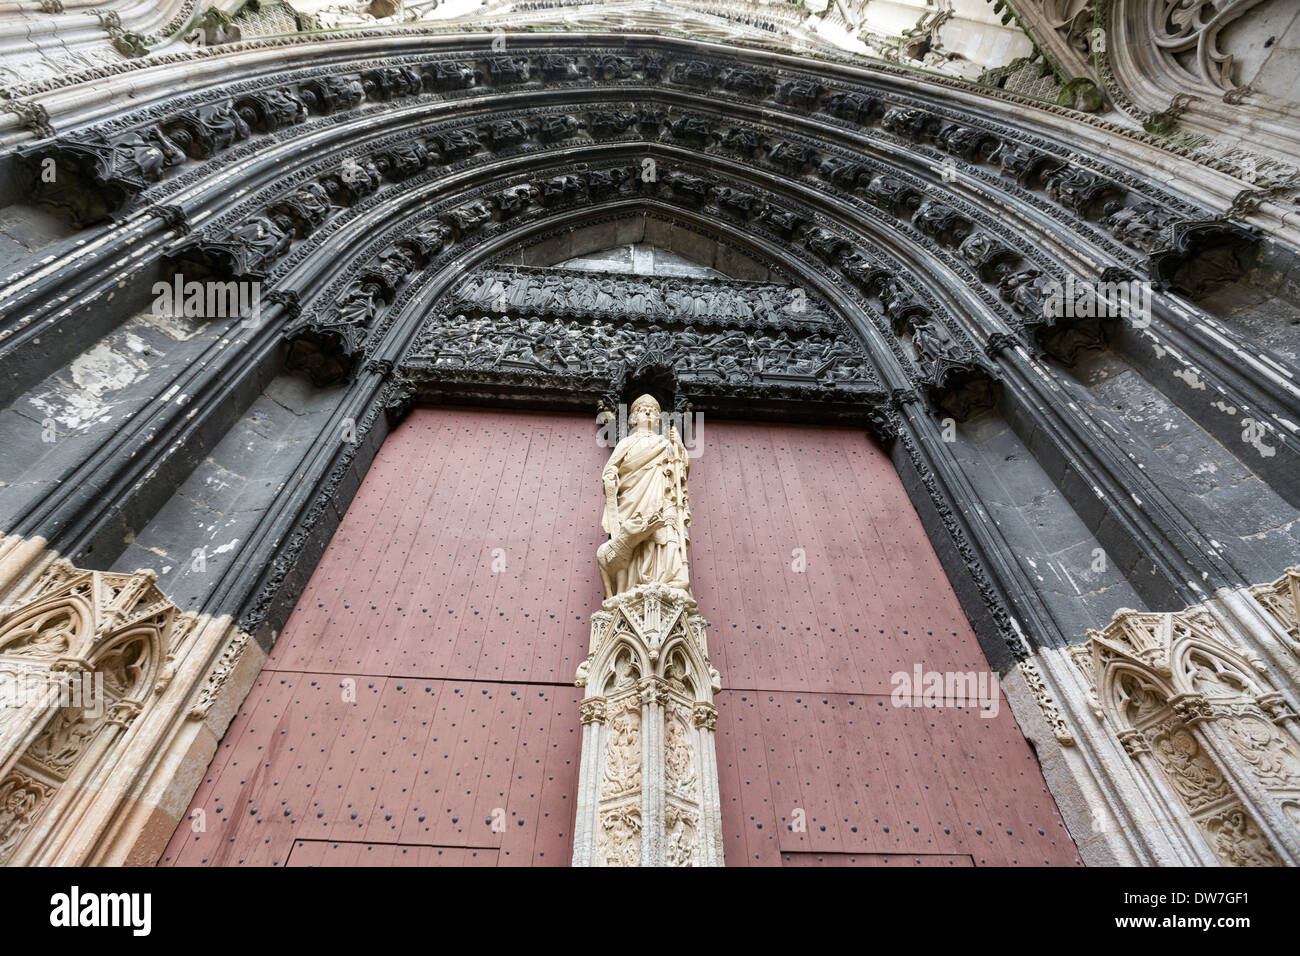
646 506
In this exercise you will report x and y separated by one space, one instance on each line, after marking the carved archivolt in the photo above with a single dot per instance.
1203 717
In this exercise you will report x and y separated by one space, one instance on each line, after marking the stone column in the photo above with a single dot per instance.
652 772
648 781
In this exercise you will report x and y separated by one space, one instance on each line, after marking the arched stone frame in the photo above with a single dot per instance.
947 283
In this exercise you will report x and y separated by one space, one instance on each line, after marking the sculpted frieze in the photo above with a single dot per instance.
487 345
566 293
325 91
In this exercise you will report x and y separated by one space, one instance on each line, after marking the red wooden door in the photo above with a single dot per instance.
419 709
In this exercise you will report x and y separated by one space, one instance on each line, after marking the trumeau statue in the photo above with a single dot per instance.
647 508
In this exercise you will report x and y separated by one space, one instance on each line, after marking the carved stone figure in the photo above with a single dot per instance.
623 753
1139 225
610 122
909 122
466 218
207 130
894 195
508 69
388 82
270 110
694 72
511 202
974 145
803 93
352 182
401 161
742 139
692 189
443 75
691 129
844 172
794 158
854 107
1082 191
557 67
508 133
21 798
553 128
987 256
605 182
747 82
451 145
611 66
306 208
330 94
941 223
646 510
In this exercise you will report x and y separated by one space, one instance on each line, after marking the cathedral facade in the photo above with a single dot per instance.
668 433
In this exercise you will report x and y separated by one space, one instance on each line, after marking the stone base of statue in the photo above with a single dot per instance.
648 780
